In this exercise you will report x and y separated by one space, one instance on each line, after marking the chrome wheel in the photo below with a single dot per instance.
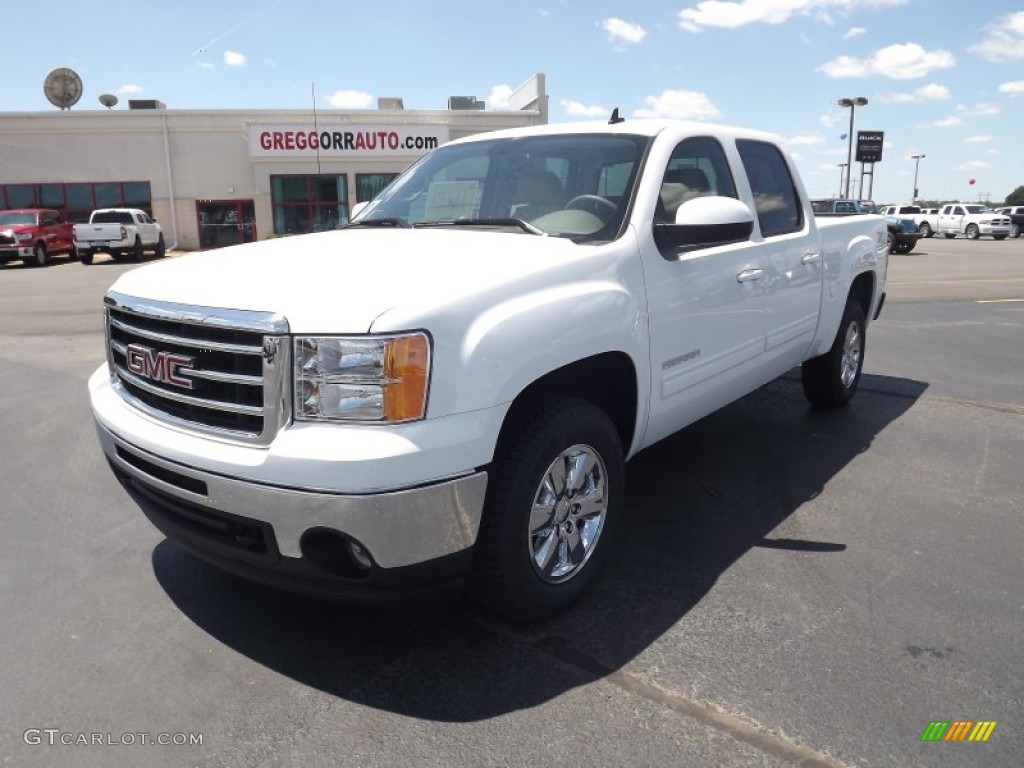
851 355
568 514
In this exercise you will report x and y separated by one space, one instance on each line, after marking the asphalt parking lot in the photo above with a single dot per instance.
793 587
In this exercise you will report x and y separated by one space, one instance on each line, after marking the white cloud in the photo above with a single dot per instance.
899 62
946 122
854 32
738 13
1013 87
206 64
974 165
1005 41
829 121
499 96
804 140
578 109
350 100
129 88
234 59
978 110
978 139
930 92
620 31
683 105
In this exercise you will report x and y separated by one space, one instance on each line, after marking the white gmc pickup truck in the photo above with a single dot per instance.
451 385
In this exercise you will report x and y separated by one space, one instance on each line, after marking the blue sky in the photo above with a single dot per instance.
944 79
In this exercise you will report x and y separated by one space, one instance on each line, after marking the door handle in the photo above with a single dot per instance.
748 275
810 258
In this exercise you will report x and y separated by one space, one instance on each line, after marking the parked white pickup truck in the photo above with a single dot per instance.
973 221
451 384
120 232
925 219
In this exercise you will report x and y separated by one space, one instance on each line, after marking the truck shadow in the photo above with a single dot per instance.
695 504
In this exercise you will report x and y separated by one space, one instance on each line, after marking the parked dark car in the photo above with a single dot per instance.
903 233
1016 214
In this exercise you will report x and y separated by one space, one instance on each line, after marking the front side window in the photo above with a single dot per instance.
697 168
775 197
576 186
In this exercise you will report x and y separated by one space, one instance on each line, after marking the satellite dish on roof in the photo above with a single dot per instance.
63 87
108 100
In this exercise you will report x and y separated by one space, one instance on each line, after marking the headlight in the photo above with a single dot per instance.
367 378
22 237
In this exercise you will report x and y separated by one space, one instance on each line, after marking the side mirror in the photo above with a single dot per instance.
704 222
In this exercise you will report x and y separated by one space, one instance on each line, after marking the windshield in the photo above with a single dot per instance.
576 186
13 219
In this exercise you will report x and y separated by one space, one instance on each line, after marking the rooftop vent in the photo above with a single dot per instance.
146 104
389 102
464 102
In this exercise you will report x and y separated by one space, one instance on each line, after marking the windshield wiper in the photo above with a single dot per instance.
507 222
390 221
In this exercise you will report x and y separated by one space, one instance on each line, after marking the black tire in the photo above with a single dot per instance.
925 229
537 436
890 239
39 255
1015 230
136 252
161 249
823 377
949 235
998 237
85 257
908 247
971 232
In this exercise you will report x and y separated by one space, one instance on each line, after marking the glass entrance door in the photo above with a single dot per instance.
225 222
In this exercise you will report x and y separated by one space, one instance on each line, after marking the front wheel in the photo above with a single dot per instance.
1015 230
553 496
831 379
39 255
971 232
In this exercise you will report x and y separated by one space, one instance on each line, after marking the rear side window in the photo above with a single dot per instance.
775 198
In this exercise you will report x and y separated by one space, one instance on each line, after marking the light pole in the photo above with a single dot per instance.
856 101
917 162
842 170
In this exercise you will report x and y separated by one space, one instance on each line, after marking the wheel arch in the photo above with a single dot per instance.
862 291
607 380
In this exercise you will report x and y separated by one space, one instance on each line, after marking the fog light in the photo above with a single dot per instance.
360 556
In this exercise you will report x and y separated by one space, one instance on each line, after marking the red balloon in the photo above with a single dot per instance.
971 181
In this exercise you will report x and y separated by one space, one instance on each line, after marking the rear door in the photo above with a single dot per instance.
789 292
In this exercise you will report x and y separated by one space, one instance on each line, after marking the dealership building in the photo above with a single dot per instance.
219 177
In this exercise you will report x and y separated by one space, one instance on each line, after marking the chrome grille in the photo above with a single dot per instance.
233 384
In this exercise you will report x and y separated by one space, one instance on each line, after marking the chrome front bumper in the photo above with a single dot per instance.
399 528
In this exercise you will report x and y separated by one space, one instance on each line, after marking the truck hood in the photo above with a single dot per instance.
341 281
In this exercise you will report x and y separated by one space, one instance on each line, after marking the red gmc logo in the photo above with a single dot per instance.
158 366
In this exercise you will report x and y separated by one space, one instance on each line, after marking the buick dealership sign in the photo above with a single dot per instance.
869 146
343 140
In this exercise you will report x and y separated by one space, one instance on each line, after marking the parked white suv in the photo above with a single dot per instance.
973 221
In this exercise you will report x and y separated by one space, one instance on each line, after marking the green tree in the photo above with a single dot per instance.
1016 197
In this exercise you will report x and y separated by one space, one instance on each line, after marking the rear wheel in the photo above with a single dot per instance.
971 232
136 252
85 257
553 496
831 379
890 239
161 249
1015 230
925 229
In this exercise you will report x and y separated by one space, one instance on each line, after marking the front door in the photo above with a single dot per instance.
225 222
